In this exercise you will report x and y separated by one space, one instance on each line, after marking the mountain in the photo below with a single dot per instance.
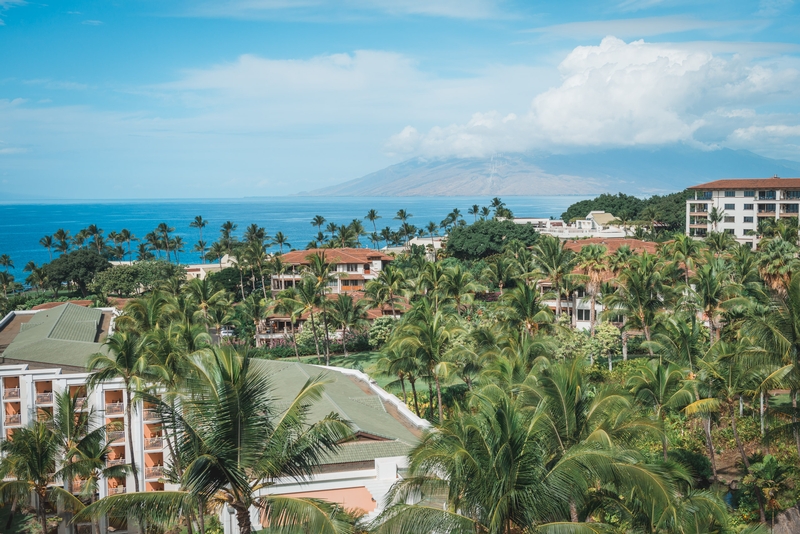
633 171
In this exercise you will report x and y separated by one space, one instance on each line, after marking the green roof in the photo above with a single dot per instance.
64 335
386 436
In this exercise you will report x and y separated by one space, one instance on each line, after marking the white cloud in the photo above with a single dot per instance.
462 9
92 22
12 150
636 27
614 94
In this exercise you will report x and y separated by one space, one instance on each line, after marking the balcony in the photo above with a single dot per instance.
156 443
766 209
767 195
11 393
14 419
115 462
117 490
115 408
80 403
116 435
154 472
44 398
150 415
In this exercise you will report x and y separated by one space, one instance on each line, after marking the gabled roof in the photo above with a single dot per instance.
601 217
335 255
387 433
750 183
64 335
612 244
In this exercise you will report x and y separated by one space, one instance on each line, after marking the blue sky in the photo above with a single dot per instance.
232 98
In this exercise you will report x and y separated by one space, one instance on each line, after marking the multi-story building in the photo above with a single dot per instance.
354 267
358 476
742 203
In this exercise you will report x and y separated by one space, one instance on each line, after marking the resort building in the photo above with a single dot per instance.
596 224
741 204
354 267
196 270
45 353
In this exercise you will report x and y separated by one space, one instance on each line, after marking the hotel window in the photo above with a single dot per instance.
749 193
748 219
730 193
352 267
748 206
730 206
766 195
729 219
730 231
584 315
792 194
703 195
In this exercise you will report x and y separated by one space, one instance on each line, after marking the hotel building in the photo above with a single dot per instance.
743 203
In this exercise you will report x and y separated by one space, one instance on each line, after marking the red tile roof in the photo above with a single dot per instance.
751 183
335 255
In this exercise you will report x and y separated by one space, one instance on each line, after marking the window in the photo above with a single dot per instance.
704 195
584 315
791 208
748 219
766 195
749 232
749 193
730 194
730 206
730 231
580 293
792 194
729 219
748 206
352 267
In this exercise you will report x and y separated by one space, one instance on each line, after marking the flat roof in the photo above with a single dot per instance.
751 183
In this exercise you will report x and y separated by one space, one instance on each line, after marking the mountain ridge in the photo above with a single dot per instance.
633 171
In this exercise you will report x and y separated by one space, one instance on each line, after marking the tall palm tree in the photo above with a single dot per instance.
714 289
126 236
216 251
143 252
684 250
236 444
205 294
426 334
715 216
387 288
201 247
640 293
526 307
555 262
163 230
27 467
349 314
199 222
48 243
323 273
474 211
6 261
502 272
281 240
63 238
126 359
593 262
318 221
461 286
372 216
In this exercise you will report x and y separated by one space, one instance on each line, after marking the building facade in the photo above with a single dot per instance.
354 267
741 204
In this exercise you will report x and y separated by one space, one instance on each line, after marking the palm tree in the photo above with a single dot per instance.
288 302
349 314
426 335
715 216
461 286
332 228
715 290
318 221
27 467
126 359
684 250
144 253
323 273
659 387
372 216
216 251
474 211
640 293
387 288
525 306
593 262
48 243
237 445
502 272
205 294
6 282
177 246
163 230
777 260
555 262
6 261
126 236
199 222
201 247
402 216
281 240
63 238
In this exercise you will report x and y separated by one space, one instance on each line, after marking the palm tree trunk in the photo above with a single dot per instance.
42 510
558 298
414 394
344 342
439 398
746 463
326 341
794 419
129 417
243 519
294 341
592 319
430 398
710 446
314 331
403 387
11 513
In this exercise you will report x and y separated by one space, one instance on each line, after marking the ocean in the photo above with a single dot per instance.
22 225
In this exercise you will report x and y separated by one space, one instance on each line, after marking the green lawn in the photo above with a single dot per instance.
363 361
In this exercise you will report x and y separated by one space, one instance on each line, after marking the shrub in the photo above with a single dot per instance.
487 238
380 331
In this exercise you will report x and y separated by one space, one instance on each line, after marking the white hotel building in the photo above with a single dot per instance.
744 202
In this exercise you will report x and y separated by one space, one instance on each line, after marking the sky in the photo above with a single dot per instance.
237 98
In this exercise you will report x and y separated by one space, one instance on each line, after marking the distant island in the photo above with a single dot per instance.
635 171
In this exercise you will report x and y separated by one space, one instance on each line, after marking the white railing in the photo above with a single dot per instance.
154 443
115 435
11 393
153 472
115 408
117 490
44 398
13 419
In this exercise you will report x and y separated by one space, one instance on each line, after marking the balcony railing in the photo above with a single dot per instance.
115 435
115 461
115 408
766 195
154 443
150 415
80 403
44 398
11 393
116 490
13 419
153 472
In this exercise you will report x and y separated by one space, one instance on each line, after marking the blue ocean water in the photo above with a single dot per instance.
23 225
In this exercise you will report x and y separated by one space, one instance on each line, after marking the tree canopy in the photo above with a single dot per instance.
487 238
